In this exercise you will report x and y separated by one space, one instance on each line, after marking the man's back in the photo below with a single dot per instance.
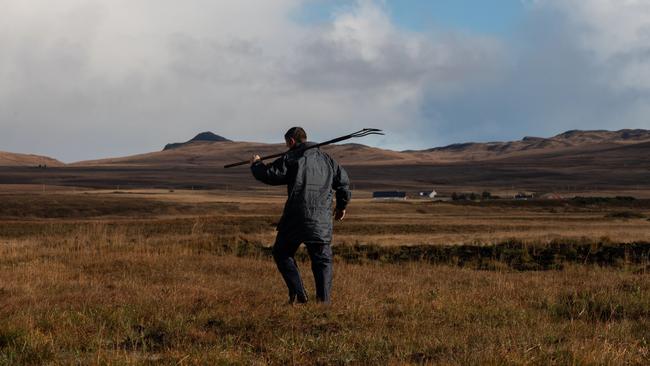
311 176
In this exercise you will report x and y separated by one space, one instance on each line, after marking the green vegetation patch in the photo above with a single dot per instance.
508 255
515 255
626 215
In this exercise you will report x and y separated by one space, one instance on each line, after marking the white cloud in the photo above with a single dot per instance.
94 78
572 64
102 77
617 33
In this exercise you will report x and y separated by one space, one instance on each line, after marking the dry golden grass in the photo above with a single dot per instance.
368 222
127 289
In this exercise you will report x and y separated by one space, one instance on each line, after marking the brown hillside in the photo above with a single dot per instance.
587 160
217 153
535 145
14 159
221 153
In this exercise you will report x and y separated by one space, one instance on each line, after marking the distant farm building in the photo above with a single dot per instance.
551 196
429 194
389 195
524 196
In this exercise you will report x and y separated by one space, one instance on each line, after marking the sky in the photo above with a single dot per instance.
86 79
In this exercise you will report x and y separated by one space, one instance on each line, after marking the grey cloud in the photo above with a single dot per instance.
323 64
553 84
119 77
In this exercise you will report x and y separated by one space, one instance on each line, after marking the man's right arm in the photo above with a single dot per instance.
274 174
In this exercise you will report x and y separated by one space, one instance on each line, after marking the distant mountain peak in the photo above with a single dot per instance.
201 137
568 139
532 138
575 133
604 135
209 136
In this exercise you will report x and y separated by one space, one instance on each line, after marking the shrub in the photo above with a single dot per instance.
626 215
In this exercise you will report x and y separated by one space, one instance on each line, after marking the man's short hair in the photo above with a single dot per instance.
296 133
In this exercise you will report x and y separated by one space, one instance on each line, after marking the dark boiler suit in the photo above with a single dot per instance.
312 178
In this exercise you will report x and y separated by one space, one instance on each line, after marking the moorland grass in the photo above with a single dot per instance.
108 296
197 285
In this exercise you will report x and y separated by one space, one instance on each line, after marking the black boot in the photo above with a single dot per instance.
300 299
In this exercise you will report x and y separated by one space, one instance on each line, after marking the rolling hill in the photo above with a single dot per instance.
209 149
593 160
568 141
27 160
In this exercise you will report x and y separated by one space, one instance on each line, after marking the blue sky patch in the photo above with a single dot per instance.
492 17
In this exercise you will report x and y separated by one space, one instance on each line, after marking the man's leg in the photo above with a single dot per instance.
321 265
283 253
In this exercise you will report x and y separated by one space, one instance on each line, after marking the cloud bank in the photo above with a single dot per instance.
84 79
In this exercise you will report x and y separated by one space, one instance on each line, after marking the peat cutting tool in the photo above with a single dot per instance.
362 133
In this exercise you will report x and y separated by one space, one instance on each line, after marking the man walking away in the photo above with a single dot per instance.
311 177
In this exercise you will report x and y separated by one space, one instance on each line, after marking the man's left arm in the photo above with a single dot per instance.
341 185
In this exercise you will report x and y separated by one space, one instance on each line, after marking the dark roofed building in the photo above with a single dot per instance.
389 195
